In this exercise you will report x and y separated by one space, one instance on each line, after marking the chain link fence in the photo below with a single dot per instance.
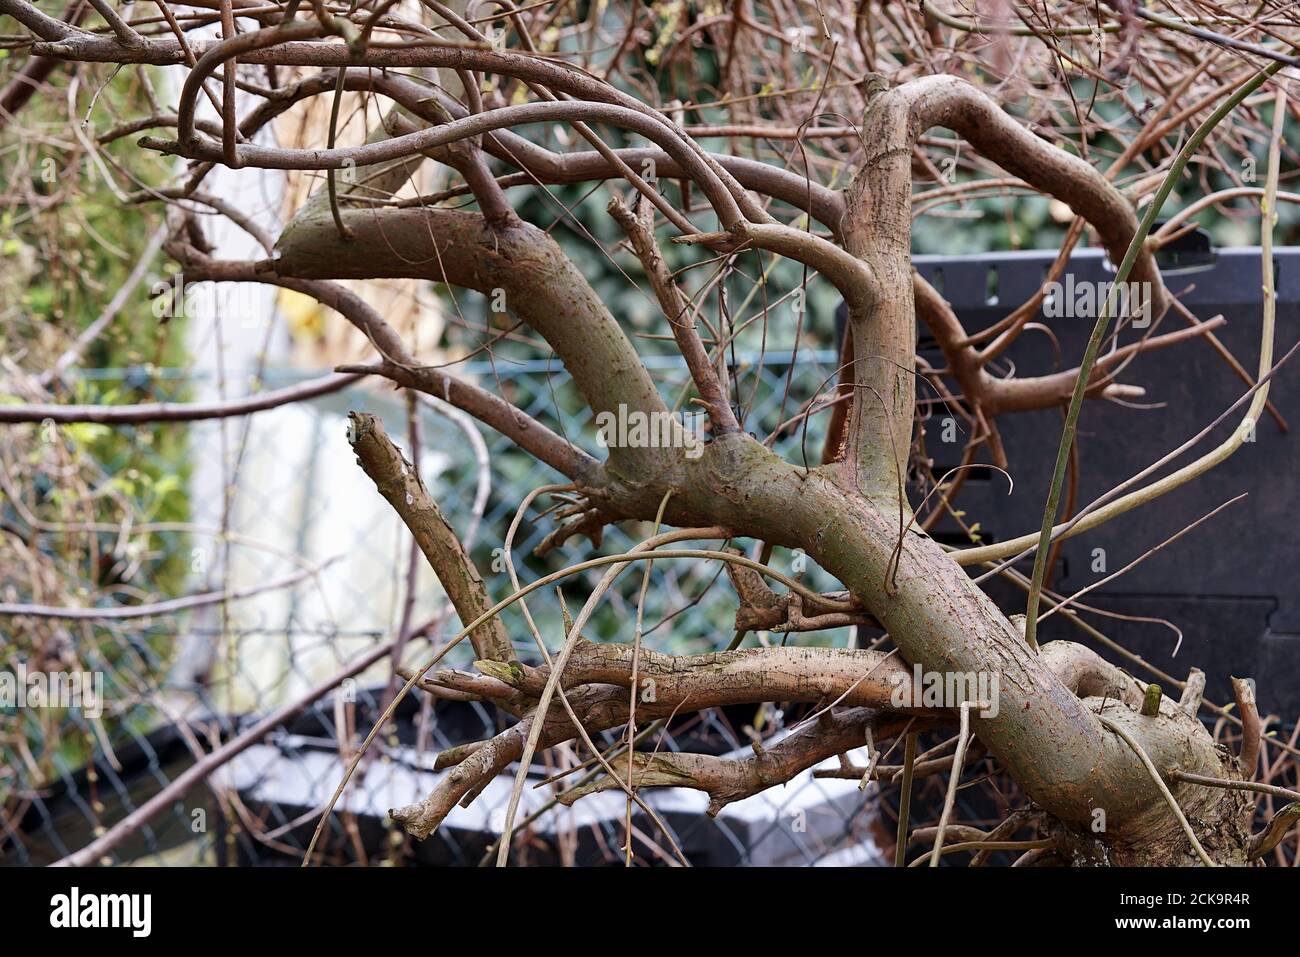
300 569
257 571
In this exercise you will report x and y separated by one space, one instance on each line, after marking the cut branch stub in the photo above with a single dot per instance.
399 482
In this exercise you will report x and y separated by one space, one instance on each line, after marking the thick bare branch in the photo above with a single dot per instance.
399 482
863 678
539 283
728 780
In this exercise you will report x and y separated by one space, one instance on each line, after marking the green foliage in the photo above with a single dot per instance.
69 244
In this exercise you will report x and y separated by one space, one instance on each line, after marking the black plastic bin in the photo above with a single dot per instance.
1229 585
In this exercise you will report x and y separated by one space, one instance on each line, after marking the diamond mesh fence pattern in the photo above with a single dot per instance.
313 567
